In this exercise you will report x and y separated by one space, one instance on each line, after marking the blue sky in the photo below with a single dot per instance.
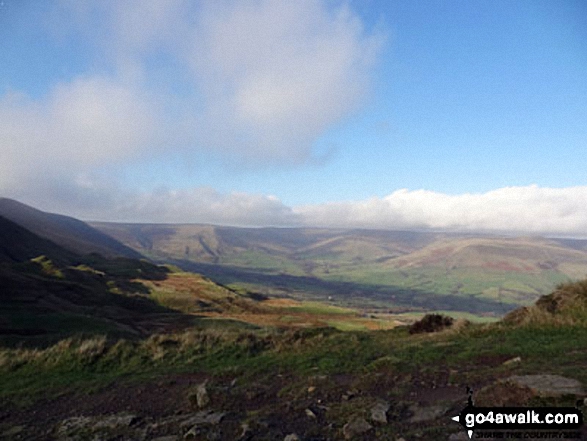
456 115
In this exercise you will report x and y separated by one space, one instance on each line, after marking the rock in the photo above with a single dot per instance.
310 414
98 426
511 361
115 421
379 412
349 394
193 433
165 438
292 437
246 432
420 414
459 436
548 385
311 389
202 397
358 426
201 418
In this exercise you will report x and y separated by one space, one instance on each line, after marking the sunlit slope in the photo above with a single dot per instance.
215 304
507 270
265 247
508 254
372 264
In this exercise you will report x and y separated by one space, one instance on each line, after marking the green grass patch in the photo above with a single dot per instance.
320 309
346 325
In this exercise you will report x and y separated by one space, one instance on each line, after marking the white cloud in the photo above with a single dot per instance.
206 205
275 75
195 205
519 210
530 210
267 78
258 81
88 123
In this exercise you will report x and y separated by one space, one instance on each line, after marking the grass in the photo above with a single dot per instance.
74 363
507 287
48 267
320 309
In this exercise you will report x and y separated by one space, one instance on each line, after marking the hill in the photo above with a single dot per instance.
18 244
384 269
70 233
263 247
48 292
233 382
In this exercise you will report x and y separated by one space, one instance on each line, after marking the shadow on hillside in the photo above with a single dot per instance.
41 303
353 294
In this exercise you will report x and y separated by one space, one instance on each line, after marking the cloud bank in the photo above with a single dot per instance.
519 210
531 210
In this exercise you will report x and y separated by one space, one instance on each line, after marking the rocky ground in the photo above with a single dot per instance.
319 407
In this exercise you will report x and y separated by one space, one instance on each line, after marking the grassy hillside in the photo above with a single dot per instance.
48 292
376 268
228 381
17 244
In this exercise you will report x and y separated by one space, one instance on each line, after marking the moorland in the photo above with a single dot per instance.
102 339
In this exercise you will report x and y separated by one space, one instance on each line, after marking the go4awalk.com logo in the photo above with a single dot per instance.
521 422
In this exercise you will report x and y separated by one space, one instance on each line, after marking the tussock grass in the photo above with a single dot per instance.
565 306
547 338
48 267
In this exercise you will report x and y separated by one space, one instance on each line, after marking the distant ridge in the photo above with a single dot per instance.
68 232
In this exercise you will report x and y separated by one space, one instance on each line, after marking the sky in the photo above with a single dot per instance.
455 115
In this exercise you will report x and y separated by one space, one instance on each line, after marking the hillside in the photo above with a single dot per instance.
17 244
48 292
70 233
228 381
382 269
241 246
118 348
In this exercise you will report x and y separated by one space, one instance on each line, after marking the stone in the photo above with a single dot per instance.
356 427
200 418
115 421
379 412
429 413
71 428
246 432
459 436
193 433
512 361
548 385
202 397
292 437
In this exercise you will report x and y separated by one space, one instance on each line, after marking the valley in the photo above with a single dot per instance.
485 275
278 334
